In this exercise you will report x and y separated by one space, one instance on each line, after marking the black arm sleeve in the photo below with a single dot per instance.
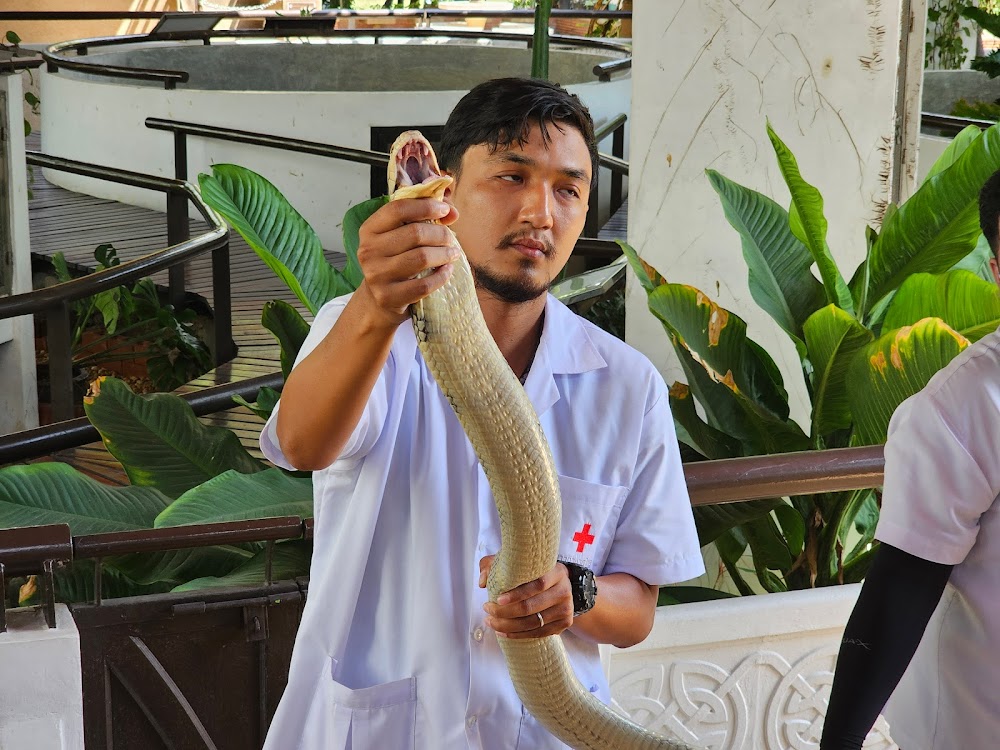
897 600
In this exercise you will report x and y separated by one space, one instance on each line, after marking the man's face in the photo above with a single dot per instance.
521 210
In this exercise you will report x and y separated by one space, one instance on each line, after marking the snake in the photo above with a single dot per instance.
507 437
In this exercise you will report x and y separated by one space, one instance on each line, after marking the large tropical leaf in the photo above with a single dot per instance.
833 336
353 219
712 521
938 225
718 338
809 225
288 327
240 497
50 493
649 278
780 278
978 261
290 560
694 431
687 594
276 232
894 367
965 302
159 440
965 138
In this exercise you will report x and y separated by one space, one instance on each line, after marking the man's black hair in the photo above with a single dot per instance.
989 211
501 112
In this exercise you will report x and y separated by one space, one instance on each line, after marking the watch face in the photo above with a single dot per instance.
584 588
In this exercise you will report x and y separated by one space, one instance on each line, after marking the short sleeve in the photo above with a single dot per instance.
656 540
367 430
935 490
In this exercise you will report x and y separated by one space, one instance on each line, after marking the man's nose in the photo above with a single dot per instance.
536 209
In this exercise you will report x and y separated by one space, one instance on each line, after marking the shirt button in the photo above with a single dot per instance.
477 634
471 721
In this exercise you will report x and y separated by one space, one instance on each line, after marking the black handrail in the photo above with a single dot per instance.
140 15
605 70
54 301
27 62
950 125
55 58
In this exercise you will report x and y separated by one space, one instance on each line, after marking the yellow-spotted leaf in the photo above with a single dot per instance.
894 367
833 337
964 301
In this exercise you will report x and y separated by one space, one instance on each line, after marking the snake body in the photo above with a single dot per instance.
505 433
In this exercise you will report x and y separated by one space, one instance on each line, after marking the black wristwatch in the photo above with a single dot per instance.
584 587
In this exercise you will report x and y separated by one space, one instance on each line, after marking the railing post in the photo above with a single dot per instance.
591 225
617 150
58 339
180 156
222 306
178 230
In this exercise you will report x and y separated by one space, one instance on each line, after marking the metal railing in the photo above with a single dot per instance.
54 302
948 125
56 56
40 550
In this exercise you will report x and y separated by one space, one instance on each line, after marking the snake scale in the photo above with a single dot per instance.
505 433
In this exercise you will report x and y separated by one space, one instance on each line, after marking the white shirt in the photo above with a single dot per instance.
392 651
942 479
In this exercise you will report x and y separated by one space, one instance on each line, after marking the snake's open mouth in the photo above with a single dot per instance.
415 164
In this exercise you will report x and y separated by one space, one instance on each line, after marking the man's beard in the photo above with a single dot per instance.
516 289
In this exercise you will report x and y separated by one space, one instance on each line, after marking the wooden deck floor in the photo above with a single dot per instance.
76 224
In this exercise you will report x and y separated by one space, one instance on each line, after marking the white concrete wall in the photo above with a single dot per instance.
706 76
41 687
753 672
18 388
99 122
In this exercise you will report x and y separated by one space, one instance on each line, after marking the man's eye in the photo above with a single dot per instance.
572 191
511 177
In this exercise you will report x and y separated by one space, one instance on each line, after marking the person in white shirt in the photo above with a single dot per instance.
926 626
397 647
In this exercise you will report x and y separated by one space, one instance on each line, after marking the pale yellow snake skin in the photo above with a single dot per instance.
502 425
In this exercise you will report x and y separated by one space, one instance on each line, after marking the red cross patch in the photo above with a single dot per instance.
583 537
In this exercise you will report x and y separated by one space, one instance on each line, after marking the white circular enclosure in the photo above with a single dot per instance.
346 94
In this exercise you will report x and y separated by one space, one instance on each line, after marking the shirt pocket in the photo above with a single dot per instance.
589 518
372 718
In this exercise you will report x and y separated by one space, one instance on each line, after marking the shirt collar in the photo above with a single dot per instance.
565 348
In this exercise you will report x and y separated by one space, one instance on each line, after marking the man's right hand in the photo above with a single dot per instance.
398 244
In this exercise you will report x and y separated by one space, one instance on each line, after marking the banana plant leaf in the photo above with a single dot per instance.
809 225
694 431
353 219
938 225
160 442
76 584
965 138
978 261
833 336
689 594
288 327
718 338
970 305
894 367
267 399
290 560
712 521
241 497
276 232
778 263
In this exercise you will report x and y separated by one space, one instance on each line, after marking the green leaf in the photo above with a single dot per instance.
687 594
965 138
267 399
767 545
159 440
241 497
718 338
988 21
176 566
691 429
978 261
894 367
649 278
12 37
51 493
76 584
290 560
353 219
778 263
793 527
712 521
833 336
276 232
108 304
809 225
60 267
288 327
965 302
938 225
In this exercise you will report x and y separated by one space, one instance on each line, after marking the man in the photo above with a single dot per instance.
397 646
938 563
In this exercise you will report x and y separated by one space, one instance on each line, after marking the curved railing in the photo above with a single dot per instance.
53 302
56 55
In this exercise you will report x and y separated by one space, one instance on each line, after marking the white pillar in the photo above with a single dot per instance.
706 77
18 389
41 687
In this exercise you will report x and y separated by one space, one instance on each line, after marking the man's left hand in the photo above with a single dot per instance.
515 614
